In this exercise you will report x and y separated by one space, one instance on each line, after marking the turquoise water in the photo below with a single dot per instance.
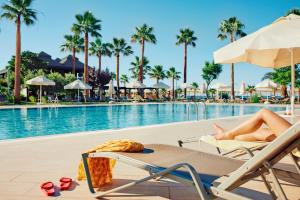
21 123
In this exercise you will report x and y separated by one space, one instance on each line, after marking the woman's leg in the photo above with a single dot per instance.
275 123
262 134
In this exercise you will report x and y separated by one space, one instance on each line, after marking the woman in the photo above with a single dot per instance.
252 130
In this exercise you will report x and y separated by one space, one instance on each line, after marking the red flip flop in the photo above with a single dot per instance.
48 188
65 183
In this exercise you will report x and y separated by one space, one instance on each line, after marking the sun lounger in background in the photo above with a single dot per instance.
203 171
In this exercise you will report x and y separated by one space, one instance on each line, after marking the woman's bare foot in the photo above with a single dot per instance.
219 129
221 133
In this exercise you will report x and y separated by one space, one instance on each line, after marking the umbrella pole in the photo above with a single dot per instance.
40 94
77 95
292 83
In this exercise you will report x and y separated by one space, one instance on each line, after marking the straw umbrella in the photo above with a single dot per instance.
274 46
41 81
77 85
111 89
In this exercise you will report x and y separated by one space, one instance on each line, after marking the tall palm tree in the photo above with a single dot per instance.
158 73
86 24
195 87
186 37
124 79
173 75
74 44
119 47
136 67
143 34
100 49
231 28
19 11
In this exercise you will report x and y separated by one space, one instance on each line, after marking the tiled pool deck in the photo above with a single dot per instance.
26 163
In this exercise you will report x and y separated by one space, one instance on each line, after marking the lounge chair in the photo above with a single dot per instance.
203 171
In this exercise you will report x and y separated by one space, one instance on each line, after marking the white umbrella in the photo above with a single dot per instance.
111 89
77 85
161 85
221 87
243 89
266 85
276 45
40 80
136 84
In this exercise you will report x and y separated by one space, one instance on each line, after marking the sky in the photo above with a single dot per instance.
120 17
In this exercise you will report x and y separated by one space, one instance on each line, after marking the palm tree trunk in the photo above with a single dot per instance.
117 73
74 61
173 88
86 60
17 85
142 62
99 61
232 72
185 66
157 90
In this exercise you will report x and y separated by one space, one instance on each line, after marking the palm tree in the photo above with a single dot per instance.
195 87
250 89
18 11
143 34
74 44
295 11
118 47
86 24
124 79
174 75
186 37
136 67
158 73
100 49
231 28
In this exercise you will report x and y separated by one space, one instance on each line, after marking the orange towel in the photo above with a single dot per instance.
101 168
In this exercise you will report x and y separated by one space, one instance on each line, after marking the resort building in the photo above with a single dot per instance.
62 66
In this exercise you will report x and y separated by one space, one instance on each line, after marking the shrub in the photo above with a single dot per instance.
32 99
254 99
44 100
10 98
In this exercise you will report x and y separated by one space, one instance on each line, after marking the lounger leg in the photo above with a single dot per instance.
277 186
87 172
268 187
295 162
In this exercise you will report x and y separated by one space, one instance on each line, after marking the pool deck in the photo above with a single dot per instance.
25 163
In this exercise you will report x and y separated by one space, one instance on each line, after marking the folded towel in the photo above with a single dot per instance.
101 168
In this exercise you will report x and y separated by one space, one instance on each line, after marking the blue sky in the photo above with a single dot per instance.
120 17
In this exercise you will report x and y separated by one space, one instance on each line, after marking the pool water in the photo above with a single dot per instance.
30 122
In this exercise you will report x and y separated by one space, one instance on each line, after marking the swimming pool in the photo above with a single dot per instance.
30 122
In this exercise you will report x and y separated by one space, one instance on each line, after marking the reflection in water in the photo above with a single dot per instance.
16 123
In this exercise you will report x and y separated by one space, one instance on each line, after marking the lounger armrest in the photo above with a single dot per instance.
244 150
